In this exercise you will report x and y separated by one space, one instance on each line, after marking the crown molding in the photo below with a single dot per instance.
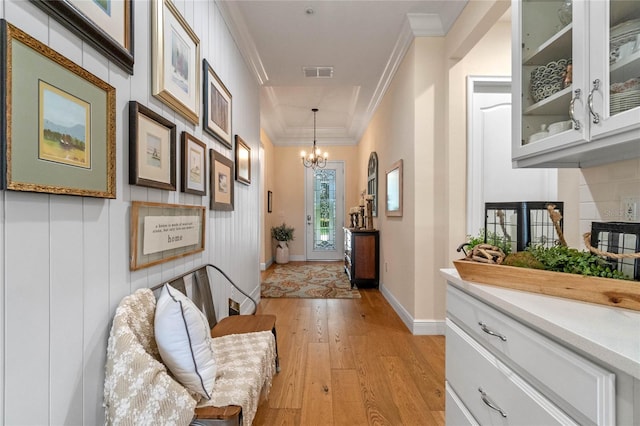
232 16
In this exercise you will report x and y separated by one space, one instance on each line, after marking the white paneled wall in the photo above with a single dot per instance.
64 264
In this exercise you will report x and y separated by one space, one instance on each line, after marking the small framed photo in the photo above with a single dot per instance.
175 64
217 106
394 189
57 122
243 161
194 165
269 201
222 184
152 148
105 24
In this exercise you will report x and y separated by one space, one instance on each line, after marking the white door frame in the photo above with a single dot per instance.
475 164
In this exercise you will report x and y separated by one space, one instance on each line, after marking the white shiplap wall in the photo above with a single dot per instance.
64 264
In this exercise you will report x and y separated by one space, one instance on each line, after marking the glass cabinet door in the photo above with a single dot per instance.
615 67
553 69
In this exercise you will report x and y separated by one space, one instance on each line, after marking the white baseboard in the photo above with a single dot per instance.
416 327
265 266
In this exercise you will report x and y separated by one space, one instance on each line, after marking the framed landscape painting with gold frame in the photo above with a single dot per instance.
106 24
217 106
175 49
222 183
58 122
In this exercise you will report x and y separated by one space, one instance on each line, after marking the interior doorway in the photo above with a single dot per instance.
324 212
490 175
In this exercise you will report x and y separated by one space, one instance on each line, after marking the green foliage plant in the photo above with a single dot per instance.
282 232
491 238
573 261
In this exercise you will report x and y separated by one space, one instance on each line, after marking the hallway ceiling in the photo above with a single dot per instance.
363 41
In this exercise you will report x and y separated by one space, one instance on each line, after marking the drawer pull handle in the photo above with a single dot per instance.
490 403
487 330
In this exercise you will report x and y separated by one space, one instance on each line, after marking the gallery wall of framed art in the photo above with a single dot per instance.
67 204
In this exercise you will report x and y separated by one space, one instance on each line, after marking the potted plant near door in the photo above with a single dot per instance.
282 234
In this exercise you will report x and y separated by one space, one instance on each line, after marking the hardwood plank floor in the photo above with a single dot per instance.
352 362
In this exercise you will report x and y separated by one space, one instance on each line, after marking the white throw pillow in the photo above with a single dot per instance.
183 335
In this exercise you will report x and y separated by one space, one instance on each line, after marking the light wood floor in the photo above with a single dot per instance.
352 362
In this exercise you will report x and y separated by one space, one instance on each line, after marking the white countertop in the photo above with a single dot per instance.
607 335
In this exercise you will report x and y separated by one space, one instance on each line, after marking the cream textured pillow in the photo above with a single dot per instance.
183 339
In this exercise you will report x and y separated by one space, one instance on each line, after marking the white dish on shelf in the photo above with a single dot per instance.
537 136
559 126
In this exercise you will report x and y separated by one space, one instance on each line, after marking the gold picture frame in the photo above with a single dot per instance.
175 53
394 189
58 122
221 182
217 106
243 161
163 232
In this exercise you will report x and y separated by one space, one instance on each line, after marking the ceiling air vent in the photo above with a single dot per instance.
318 72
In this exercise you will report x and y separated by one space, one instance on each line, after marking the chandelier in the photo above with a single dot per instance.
315 159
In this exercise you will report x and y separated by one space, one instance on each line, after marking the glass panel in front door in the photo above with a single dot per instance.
324 209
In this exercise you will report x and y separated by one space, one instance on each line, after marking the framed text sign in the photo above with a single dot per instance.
163 232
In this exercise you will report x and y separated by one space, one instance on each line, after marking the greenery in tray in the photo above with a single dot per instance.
491 238
564 259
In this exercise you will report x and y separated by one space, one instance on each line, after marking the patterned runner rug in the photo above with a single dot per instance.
313 281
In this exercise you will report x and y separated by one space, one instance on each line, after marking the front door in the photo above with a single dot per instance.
324 211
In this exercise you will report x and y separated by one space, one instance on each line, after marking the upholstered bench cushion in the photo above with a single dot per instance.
246 365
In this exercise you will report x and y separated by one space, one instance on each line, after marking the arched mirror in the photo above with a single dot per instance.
372 180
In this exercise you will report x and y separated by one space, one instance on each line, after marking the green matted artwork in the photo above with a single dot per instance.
58 122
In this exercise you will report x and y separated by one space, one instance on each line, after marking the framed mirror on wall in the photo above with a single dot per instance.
372 180
394 189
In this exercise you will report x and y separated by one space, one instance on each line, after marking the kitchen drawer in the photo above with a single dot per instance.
492 392
588 389
455 411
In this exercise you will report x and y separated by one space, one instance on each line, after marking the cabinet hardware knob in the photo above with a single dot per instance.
596 86
490 403
576 123
487 330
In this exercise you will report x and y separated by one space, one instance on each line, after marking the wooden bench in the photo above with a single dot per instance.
199 291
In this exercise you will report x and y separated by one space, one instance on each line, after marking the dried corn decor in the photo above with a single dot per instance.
486 253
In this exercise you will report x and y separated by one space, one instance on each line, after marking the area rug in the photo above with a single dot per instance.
315 281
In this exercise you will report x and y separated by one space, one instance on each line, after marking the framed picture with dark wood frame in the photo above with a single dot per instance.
107 25
217 106
269 201
163 232
394 189
221 183
57 124
152 148
194 165
243 161
175 60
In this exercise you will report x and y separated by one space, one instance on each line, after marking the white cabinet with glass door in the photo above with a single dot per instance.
576 75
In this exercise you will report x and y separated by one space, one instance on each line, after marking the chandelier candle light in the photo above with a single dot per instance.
315 160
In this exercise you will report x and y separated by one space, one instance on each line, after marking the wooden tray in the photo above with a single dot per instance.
604 291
